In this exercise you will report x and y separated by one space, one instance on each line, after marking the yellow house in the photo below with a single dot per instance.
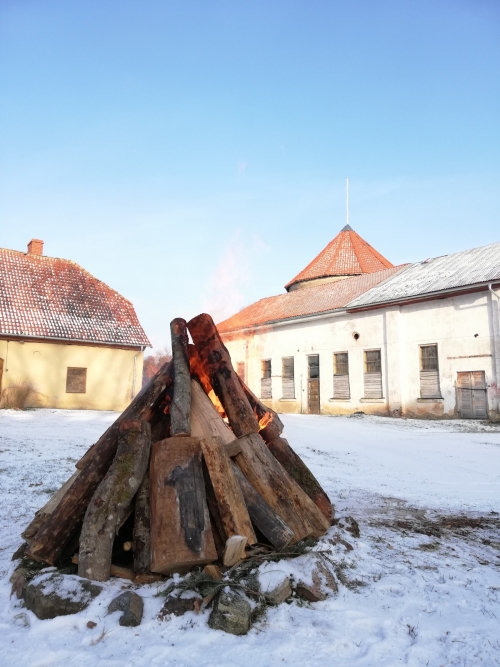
78 341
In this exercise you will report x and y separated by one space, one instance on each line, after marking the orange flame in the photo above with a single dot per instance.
266 419
218 405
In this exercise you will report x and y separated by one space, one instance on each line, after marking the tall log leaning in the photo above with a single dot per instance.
142 528
112 499
256 462
270 524
181 401
181 534
53 535
226 384
271 430
278 489
44 512
299 472
232 508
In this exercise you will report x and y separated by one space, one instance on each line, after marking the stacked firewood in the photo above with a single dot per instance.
195 467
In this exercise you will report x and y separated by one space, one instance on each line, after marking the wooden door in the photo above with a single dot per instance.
313 405
472 401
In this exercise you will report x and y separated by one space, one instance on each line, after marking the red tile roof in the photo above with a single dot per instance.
46 297
347 255
311 300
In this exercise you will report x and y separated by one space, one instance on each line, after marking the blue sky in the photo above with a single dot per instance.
193 155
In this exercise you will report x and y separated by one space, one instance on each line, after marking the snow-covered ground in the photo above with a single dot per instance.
420 587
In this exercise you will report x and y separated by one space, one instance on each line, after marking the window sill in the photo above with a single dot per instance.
372 400
344 400
437 399
287 400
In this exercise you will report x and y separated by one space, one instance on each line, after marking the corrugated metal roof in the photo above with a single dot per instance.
462 269
303 302
46 297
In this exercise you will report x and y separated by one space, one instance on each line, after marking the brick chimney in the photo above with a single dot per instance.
35 247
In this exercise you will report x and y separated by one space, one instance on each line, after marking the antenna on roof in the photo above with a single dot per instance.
347 200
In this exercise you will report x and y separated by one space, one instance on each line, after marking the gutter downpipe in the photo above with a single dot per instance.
496 345
134 374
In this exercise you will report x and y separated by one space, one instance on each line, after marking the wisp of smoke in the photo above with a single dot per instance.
224 293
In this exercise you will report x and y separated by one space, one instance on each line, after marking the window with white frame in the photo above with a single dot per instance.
429 372
265 382
287 377
373 374
341 388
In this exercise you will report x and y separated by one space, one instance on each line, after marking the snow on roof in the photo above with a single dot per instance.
46 297
308 301
347 255
462 269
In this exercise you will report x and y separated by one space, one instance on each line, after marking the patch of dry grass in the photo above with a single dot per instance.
17 395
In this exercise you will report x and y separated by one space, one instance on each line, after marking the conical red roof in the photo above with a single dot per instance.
347 255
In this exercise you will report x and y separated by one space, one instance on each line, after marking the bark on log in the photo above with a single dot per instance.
263 517
232 508
181 401
58 528
181 535
112 499
142 528
43 514
298 471
278 489
225 382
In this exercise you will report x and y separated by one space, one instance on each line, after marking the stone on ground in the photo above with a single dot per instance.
176 606
54 594
231 613
132 607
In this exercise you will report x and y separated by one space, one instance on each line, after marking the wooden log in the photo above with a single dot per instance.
114 570
298 471
142 528
206 422
43 514
233 448
112 499
181 535
225 382
235 550
270 424
263 517
181 402
232 508
278 489
58 528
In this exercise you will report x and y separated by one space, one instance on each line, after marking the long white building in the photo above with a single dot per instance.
354 333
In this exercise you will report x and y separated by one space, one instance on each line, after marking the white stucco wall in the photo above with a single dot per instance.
452 323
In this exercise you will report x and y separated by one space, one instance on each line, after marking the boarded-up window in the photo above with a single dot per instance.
429 372
287 377
240 370
76 381
265 382
373 374
313 396
341 376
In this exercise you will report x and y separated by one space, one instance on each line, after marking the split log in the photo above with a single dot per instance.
270 524
235 550
43 514
232 508
225 382
206 422
181 535
142 527
278 489
181 401
112 499
55 532
298 471
233 448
